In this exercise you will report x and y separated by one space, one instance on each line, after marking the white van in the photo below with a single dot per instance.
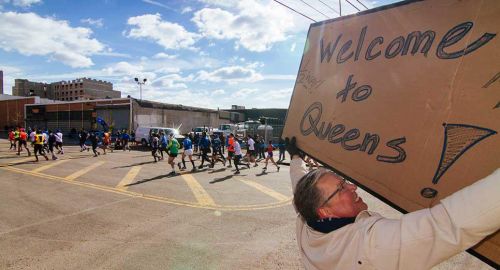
143 134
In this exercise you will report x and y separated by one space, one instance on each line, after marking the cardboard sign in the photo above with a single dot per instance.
404 100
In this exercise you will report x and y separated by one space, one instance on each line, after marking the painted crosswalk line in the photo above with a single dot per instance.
83 171
128 178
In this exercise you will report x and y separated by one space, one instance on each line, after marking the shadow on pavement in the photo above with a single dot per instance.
168 175
216 180
135 164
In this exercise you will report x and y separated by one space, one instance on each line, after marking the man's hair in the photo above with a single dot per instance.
307 197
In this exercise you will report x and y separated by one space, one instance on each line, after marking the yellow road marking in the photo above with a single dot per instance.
83 171
199 192
152 197
265 190
128 178
52 164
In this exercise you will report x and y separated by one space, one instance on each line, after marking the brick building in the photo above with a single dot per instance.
79 89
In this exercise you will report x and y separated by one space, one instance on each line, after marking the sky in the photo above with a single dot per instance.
204 53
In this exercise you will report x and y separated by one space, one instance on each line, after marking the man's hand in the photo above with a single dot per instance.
292 149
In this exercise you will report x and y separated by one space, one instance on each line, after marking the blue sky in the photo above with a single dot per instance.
207 53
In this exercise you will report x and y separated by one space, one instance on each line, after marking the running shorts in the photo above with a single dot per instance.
188 152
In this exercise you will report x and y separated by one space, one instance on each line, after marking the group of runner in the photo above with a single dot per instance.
210 148
42 142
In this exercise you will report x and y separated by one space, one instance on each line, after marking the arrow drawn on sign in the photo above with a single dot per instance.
492 80
458 139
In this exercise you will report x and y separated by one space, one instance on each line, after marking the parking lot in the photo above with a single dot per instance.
123 211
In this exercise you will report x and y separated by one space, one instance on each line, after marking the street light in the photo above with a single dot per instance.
140 84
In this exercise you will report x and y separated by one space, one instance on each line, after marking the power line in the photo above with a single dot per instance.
314 8
361 4
352 5
329 7
293 10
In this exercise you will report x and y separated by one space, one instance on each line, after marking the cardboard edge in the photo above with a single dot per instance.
296 78
483 258
368 11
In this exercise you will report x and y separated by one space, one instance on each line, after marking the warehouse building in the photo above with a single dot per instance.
119 113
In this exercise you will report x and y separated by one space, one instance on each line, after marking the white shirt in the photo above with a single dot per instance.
418 240
251 144
32 136
59 137
237 147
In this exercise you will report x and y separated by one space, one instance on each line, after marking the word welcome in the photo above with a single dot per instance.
401 45
310 124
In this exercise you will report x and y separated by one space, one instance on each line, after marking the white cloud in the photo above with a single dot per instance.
164 56
172 81
254 25
232 74
280 77
129 71
276 95
243 93
30 34
25 3
166 34
186 10
292 49
93 22
219 3
114 54
218 92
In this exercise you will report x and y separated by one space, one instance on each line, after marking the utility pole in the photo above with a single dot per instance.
140 83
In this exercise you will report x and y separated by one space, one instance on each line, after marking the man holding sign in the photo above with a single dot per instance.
403 100
335 230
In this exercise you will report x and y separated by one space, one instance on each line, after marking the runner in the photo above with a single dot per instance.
188 151
163 144
230 148
16 137
23 137
223 143
12 140
125 140
237 156
83 137
39 145
59 142
32 136
204 145
106 142
52 142
216 151
281 147
270 149
154 146
251 150
173 150
94 139
45 134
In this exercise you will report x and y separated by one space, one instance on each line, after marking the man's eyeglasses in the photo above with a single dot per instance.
340 187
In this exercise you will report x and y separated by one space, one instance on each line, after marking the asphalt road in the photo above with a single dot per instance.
122 211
